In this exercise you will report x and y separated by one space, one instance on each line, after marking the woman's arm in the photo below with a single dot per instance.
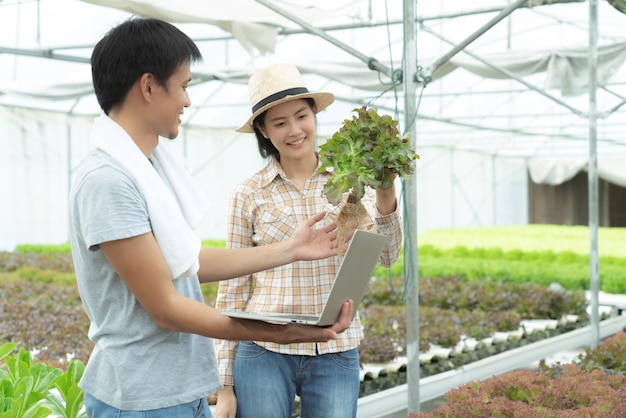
383 207
386 201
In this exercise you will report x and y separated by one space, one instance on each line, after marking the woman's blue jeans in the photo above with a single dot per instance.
195 409
266 383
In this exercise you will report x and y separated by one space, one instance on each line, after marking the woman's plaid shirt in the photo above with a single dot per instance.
268 208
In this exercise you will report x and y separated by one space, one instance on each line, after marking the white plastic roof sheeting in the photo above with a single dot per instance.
472 101
510 103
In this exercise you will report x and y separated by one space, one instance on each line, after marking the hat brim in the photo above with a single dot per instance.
322 101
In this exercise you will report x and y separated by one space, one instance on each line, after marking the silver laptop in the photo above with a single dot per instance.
353 276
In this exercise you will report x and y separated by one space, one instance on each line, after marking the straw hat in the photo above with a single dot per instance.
277 84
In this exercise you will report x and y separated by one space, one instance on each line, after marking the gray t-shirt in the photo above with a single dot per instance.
135 365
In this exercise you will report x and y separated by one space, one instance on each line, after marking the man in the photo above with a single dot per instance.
138 263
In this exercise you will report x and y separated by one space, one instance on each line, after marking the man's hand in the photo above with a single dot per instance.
298 333
314 244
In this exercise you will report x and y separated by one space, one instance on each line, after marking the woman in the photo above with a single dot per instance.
262 379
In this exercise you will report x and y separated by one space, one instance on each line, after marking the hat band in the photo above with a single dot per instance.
280 95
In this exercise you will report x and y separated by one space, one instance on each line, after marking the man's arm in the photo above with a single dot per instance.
140 264
306 243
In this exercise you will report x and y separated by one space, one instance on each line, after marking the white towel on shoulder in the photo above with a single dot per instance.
175 203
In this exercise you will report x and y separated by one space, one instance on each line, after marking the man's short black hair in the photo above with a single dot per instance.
135 47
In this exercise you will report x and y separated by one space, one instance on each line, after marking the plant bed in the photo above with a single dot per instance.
395 400
564 391
593 386
40 308
387 377
38 290
452 309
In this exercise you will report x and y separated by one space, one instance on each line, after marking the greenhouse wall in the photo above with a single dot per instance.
41 149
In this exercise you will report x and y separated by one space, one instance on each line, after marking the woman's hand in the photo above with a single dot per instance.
226 406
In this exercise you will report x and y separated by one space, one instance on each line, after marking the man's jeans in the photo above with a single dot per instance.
195 409
266 383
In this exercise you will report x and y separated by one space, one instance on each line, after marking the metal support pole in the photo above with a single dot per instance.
410 197
592 171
